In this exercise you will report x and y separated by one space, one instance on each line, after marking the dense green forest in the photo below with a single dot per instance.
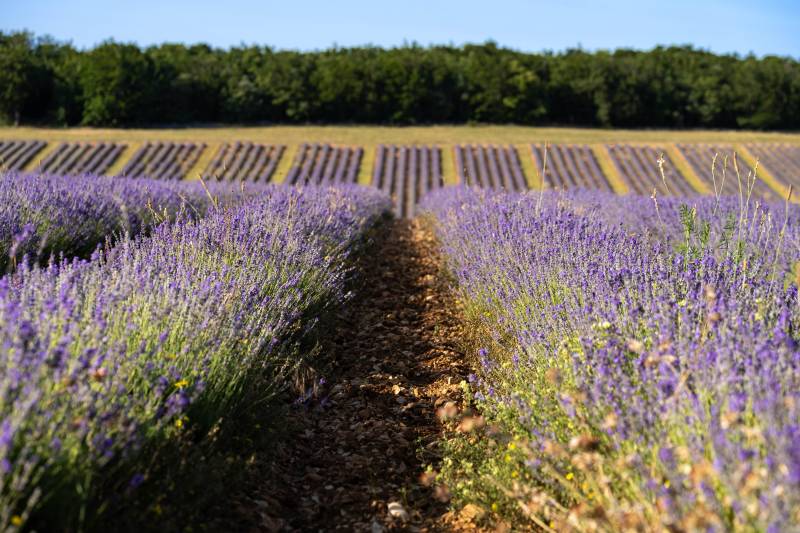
43 81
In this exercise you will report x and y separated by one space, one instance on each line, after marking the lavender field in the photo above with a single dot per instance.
237 354
52 216
152 341
412 267
636 364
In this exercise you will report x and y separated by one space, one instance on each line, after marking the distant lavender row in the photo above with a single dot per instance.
163 160
489 166
754 223
782 160
15 155
631 382
41 216
638 166
569 167
318 164
104 363
407 174
720 174
244 161
73 158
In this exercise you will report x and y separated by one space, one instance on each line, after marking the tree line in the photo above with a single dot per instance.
43 81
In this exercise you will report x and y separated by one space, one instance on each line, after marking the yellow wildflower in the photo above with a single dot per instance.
181 384
570 475
16 520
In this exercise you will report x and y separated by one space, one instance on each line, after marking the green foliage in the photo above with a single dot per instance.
727 232
116 84
17 66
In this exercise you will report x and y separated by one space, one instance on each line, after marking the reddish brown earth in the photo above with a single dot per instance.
357 460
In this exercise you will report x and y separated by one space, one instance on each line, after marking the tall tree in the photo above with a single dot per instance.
17 63
119 88
114 84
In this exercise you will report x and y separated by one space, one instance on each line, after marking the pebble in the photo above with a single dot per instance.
397 510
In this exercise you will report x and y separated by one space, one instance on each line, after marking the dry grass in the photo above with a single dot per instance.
532 174
618 185
368 136
685 169
449 170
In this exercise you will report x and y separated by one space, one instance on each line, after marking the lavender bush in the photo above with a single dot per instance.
639 367
104 361
46 215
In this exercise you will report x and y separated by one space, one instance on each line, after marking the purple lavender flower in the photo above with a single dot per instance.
163 332
669 330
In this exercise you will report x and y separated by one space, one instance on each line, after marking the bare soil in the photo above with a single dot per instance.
363 443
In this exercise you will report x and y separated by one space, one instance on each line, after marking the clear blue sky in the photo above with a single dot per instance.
763 27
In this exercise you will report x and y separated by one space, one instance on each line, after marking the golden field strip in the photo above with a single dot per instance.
446 137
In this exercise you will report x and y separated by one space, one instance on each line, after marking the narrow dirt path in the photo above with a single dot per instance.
363 445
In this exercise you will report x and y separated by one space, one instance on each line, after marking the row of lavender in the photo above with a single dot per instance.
316 164
724 173
244 161
491 167
163 160
642 169
49 216
407 174
109 363
156 160
782 159
569 167
80 158
639 368
566 166
15 155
